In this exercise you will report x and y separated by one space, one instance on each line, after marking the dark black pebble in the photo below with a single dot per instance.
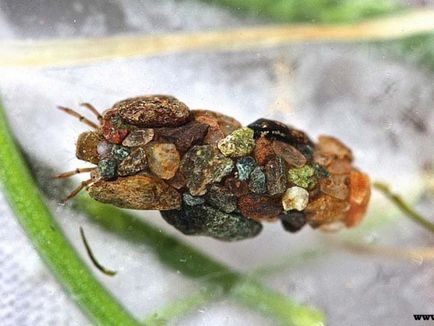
293 221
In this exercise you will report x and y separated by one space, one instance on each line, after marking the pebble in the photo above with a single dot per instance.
269 128
360 193
259 207
120 152
276 175
295 198
326 209
134 163
104 149
178 181
139 137
237 186
221 198
190 200
332 145
203 165
336 185
86 148
303 177
239 143
263 150
245 166
289 153
185 136
107 168
279 131
153 111
136 192
320 171
208 221
258 182
342 166
220 125
293 221
163 159
113 128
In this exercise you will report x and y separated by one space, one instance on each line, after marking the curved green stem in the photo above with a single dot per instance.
404 207
48 239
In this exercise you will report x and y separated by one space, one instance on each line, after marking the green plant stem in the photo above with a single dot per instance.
180 307
47 238
192 263
185 305
404 207
318 11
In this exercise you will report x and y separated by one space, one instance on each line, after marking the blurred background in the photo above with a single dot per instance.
320 65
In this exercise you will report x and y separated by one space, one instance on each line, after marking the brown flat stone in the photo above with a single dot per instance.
136 192
263 151
163 159
153 111
219 124
289 153
276 174
259 207
86 148
134 163
325 210
186 136
203 165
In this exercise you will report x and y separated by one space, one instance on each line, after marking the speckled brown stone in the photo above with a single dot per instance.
259 207
219 124
163 159
178 181
136 192
86 148
134 163
226 123
153 111
186 136
326 209
237 186
289 153
139 137
113 128
276 174
263 150
203 165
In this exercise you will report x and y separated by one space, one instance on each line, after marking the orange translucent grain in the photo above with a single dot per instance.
360 192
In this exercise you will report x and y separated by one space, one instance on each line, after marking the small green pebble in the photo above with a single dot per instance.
192 200
258 181
107 168
245 166
303 177
239 143
120 152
